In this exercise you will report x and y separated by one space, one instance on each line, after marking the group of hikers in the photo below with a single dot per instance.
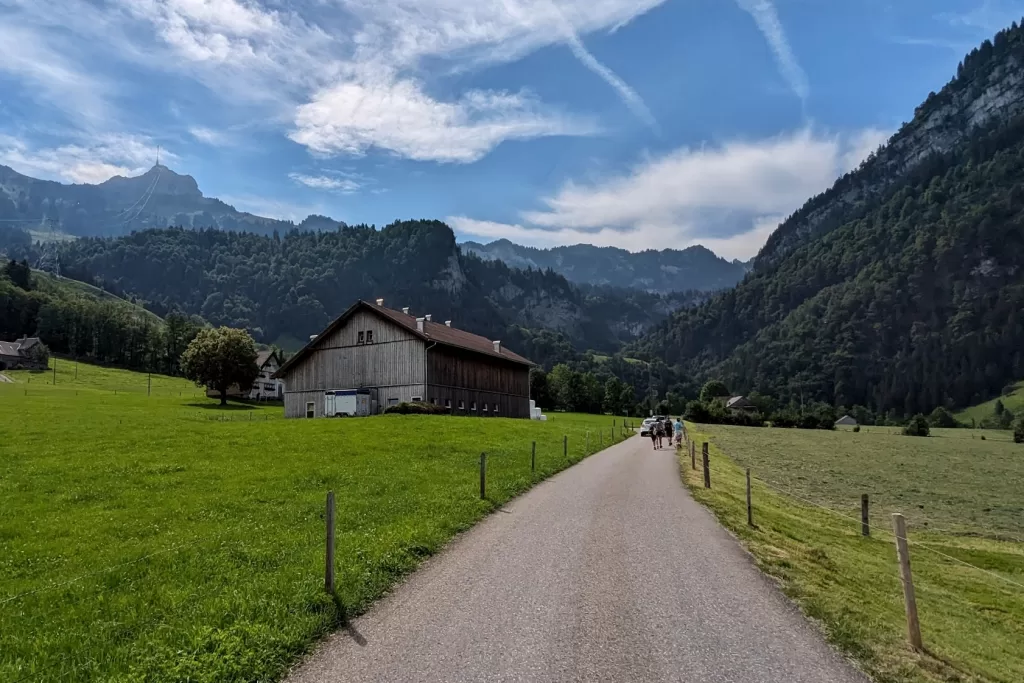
663 431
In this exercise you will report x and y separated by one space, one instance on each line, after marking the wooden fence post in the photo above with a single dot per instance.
899 526
865 528
533 457
707 466
693 454
588 441
750 506
329 567
483 476
565 446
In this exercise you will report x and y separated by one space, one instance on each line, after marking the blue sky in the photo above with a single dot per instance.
633 123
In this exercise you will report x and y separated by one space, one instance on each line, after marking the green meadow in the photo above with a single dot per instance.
965 516
150 535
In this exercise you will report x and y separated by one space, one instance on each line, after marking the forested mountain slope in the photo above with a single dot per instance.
664 271
284 288
901 297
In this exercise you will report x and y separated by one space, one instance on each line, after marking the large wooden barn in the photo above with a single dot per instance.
372 357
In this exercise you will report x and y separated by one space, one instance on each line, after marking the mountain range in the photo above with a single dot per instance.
901 288
162 198
156 199
668 270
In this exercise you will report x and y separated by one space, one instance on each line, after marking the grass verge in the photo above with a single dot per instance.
972 621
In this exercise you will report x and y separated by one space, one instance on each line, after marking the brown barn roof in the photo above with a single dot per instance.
432 331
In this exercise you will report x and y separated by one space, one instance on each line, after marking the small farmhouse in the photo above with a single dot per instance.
265 388
20 355
740 403
846 421
372 357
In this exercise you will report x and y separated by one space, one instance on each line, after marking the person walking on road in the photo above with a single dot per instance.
654 436
679 431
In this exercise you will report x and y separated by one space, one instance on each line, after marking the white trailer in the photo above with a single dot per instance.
351 402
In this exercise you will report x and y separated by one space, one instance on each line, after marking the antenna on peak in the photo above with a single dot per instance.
158 155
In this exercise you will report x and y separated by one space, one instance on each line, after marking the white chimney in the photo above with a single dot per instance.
380 302
448 323
427 316
419 324
406 310
497 346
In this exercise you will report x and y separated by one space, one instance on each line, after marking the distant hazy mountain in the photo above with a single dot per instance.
156 199
669 270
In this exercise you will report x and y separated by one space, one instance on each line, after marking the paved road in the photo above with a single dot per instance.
607 572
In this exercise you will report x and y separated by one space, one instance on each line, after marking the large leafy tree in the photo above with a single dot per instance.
221 358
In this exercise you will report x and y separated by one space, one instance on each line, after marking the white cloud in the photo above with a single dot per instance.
61 81
728 198
92 161
399 117
861 145
322 182
308 64
272 208
767 19
208 136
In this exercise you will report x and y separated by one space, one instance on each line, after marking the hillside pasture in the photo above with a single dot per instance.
964 516
1013 401
145 539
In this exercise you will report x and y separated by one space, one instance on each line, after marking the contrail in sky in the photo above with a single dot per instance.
767 19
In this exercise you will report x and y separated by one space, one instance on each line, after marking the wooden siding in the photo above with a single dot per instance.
394 364
394 359
398 364
469 377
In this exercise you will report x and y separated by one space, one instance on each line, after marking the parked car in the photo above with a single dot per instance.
645 426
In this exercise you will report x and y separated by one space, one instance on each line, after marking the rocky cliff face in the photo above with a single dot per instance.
988 88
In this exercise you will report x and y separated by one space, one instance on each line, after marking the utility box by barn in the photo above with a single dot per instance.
350 402
397 357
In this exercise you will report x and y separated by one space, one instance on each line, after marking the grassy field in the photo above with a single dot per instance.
1014 401
142 540
962 502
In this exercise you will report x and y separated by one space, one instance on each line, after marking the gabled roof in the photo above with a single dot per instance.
432 332
263 356
738 402
10 348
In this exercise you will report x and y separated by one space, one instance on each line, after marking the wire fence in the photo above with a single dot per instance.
978 590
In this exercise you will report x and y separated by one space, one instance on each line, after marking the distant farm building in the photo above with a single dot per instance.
846 421
265 388
739 403
19 355
373 357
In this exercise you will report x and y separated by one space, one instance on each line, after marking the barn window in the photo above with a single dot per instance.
362 337
495 408
484 407
310 409
417 399
473 407
447 403
369 336
462 405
